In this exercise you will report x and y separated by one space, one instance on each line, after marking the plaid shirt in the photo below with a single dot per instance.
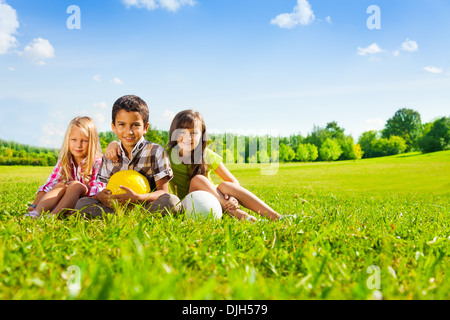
93 185
149 159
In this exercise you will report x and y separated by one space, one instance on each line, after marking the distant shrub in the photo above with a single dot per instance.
306 152
388 147
330 150
436 136
287 154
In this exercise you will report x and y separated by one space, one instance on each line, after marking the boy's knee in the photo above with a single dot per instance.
85 202
166 202
92 207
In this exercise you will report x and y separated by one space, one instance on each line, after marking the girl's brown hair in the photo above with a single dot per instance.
189 119
87 126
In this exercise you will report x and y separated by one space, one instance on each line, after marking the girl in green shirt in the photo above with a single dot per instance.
192 163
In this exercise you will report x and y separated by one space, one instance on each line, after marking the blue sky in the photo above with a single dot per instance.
253 66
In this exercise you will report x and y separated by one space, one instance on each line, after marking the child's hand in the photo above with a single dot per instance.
112 151
104 197
231 204
128 196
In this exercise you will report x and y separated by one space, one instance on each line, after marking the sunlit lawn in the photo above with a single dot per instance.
392 213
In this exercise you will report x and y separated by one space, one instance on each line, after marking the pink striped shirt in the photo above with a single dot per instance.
94 186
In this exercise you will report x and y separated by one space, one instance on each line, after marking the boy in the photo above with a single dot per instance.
130 123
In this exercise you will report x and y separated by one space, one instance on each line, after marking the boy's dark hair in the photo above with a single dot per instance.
130 103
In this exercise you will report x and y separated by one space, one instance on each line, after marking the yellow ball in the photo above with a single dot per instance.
130 179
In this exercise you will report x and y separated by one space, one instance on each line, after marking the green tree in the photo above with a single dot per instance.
365 141
407 124
317 136
302 153
313 152
306 152
388 147
287 154
335 132
330 150
348 148
154 136
436 136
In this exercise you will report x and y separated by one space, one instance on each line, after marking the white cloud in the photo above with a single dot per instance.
302 14
117 81
372 49
101 105
52 134
410 45
97 78
38 51
433 70
11 69
167 115
374 124
170 5
99 118
328 19
8 26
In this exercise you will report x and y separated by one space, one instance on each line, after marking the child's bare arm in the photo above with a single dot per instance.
225 174
112 151
104 197
231 204
36 201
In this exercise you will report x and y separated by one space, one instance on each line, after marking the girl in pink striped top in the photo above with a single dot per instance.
75 174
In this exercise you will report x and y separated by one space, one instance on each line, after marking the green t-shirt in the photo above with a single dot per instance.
179 184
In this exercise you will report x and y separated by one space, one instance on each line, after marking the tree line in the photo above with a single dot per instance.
13 153
403 132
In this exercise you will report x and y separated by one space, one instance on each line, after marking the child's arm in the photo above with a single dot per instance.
95 185
104 197
112 151
53 179
36 201
225 174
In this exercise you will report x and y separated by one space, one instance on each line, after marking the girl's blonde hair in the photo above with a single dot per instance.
87 126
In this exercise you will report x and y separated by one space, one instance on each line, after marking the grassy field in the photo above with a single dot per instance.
371 229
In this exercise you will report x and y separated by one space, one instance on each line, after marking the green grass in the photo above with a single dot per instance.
391 212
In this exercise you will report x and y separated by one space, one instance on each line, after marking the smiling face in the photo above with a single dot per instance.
78 144
189 139
129 128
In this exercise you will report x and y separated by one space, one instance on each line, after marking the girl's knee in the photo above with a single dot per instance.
199 180
77 186
60 185
226 186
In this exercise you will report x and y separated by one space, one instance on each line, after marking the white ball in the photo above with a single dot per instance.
202 204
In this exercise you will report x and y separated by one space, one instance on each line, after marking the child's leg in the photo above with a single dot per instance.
51 198
248 200
202 183
75 190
